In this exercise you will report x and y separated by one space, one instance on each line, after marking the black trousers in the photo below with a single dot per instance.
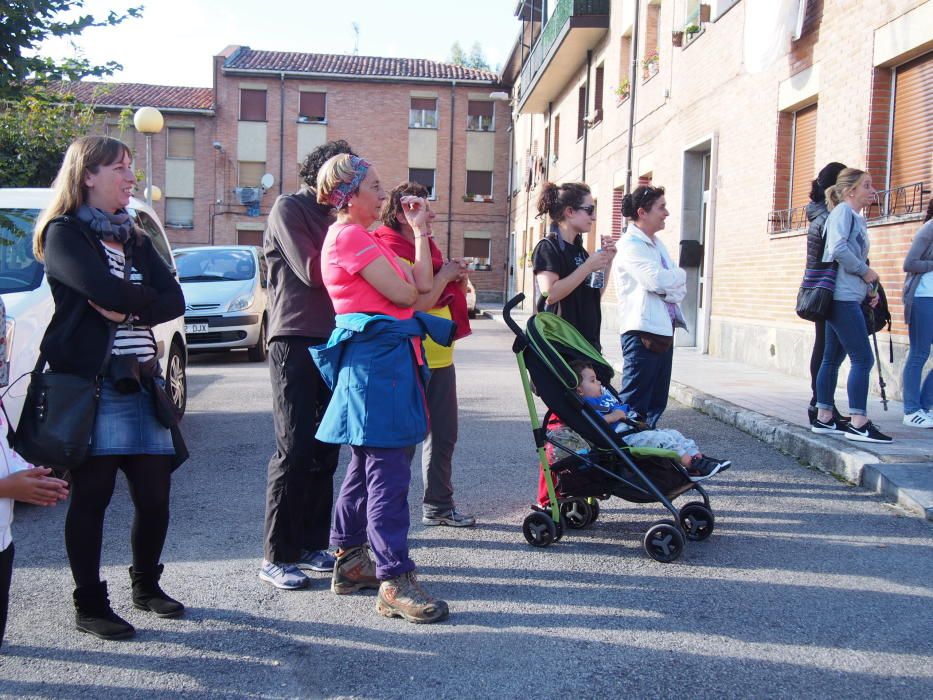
6 575
816 357
300 479
149 478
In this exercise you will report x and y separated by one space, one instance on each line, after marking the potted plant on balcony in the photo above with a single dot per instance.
677 38
691 30
704 12
469 197
622 92
650 64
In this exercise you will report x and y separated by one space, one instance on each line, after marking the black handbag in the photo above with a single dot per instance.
879 317
815 296
57 422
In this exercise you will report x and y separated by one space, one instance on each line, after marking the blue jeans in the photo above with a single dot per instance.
846 334
921 337
646 378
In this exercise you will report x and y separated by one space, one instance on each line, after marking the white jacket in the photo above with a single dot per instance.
10 462
643 284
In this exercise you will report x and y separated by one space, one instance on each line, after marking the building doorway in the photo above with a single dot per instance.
695 219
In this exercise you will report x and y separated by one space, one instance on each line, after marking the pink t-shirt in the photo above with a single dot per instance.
347 249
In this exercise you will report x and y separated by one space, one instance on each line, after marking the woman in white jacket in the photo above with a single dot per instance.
650 287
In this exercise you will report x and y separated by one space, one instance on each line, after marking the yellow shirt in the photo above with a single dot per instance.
438 356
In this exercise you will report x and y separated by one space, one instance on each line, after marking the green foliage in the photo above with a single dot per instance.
475 59
34 135
25 24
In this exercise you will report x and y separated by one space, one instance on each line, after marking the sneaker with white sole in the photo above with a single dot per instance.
918 419
320 560
703 467
867 433
821 428
288 577
452 519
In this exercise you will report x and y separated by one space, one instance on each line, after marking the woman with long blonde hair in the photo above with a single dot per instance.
110 287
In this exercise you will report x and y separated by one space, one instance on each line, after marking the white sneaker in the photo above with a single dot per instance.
919 419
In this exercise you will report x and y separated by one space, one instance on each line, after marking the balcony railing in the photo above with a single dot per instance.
564 10
904 202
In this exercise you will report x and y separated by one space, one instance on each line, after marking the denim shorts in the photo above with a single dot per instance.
126 425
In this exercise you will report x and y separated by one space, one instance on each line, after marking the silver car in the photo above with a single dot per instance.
225 298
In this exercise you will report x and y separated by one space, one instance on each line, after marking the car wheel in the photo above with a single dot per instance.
177 378
257 353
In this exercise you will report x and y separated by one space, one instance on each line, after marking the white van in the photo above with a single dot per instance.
28 299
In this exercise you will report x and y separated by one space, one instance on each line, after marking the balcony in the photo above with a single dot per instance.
575 27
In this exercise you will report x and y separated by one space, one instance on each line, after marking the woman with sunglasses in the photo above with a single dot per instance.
562 267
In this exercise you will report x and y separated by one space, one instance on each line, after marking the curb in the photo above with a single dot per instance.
856 466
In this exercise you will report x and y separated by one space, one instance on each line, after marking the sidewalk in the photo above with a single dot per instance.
734 394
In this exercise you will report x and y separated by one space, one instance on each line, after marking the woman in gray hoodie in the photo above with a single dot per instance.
918 312
846 331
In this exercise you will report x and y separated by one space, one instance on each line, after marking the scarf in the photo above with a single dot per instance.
117 226
344 190
452 295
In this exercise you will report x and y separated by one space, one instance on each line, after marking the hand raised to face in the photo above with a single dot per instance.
415 210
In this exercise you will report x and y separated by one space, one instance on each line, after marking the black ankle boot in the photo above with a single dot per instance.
148 595
94 615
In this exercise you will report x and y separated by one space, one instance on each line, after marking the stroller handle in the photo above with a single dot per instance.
507 312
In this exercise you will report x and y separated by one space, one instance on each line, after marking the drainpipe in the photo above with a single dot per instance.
586 128
281 131
508 216
547 146
633 77
450 169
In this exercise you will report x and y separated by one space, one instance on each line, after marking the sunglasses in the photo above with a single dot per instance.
589 210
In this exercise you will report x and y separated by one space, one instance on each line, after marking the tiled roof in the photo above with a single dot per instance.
362 66
139 95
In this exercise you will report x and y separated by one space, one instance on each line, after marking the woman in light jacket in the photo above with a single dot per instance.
918 312
846 331
650 287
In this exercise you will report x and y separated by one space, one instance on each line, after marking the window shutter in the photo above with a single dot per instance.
476 248
479 182
912 134
480 109
428 103
252 105
804 156
581 111
180 142
313 105
598 94
557 136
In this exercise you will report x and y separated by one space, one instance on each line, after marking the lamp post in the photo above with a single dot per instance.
148 121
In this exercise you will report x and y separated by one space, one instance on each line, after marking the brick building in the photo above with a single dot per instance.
733 106
414 119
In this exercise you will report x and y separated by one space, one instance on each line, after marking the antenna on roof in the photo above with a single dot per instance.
356 42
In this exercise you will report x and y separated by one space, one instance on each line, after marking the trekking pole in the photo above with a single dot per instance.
881 384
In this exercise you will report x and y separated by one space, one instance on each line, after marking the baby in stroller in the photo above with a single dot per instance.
697 465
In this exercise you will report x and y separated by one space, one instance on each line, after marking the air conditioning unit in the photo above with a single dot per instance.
248 195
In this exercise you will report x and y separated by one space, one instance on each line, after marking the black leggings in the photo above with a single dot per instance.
149 479
816 357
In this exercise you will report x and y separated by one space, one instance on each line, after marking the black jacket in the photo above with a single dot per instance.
77 336
816 215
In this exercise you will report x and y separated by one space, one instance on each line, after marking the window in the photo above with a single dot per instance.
248 237
794 170
423 113
598 95
252 105
477 250
804 157
249 173
423 176
650 58
179 212
480 115
581 111
312 107
911 134
180 142
479 183
556 149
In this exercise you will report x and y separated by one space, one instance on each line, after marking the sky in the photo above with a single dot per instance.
173 42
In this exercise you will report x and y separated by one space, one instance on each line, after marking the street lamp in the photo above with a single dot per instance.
148 121
153 193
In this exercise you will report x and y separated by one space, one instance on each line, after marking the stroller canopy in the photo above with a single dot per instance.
558 343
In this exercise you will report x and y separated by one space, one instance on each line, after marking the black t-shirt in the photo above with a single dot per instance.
581 307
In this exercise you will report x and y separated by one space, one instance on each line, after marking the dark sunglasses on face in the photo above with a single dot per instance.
589 210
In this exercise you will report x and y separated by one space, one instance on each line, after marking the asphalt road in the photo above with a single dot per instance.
808 587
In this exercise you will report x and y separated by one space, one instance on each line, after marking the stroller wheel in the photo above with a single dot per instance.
697 521
576 512
663 542
539 529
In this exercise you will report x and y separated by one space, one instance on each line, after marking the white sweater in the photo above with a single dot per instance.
645 284
10 462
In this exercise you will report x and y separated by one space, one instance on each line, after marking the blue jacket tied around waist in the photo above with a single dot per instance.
378 393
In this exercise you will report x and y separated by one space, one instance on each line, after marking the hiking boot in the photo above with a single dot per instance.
94 615
320 560
703 467
148 595
404 597
452 519
288 577
354 571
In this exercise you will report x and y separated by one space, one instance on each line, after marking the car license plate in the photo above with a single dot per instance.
196 328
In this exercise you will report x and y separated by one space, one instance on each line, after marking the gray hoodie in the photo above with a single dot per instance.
847 244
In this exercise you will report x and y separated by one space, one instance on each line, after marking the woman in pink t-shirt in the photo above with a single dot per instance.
363 275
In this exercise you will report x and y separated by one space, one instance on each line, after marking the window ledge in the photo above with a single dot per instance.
482 131
310 121
411 126
180 226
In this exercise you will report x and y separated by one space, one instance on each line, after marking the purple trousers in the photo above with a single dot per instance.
373 505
